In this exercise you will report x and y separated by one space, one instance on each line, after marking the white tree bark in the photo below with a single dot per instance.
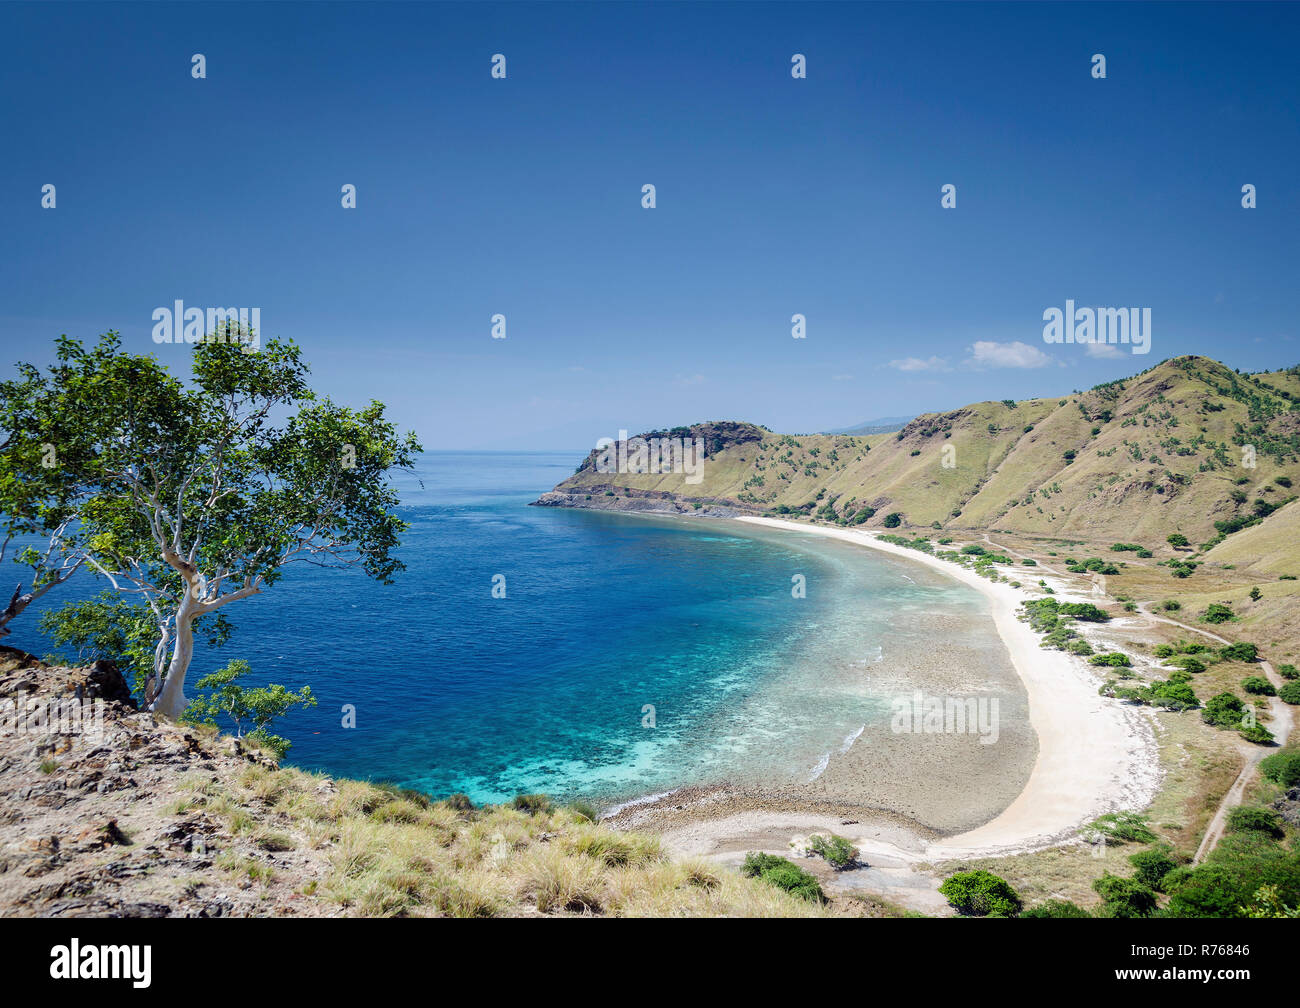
171 700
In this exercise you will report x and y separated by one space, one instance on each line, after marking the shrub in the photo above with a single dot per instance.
893 520
837 851
1123 827
1188 664
1177 540
1223 711
1123 897
981 894
1257 733
1229 879
1169 605
783 874
1288 672
1282 768
1246 817
1258 685
1152 866
1217 612
1172 694
1056 908
1114 659
1290 693
1239 652
1029 563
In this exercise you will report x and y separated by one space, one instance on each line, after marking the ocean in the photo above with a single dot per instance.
629 655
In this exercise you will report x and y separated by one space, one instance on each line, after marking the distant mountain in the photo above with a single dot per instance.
1188 446
882 425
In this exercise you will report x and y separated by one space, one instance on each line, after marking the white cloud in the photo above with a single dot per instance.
1106 351
987 353
917 364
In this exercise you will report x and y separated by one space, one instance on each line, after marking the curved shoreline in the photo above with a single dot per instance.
1093 756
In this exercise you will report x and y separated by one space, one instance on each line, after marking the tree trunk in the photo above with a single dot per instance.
171 699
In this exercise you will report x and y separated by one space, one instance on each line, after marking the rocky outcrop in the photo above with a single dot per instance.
93 817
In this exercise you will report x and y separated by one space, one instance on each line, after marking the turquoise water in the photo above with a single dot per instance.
603 614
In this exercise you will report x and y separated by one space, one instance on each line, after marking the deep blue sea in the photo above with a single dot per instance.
546 689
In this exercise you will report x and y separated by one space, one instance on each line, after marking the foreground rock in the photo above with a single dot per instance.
90 820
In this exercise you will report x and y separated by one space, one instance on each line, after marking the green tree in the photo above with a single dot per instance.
197 496
38 489
257 707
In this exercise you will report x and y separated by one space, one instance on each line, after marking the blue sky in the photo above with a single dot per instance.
775 196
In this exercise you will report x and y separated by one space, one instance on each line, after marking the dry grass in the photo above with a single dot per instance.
387 853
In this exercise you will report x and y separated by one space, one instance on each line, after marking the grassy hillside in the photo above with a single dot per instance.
1165 451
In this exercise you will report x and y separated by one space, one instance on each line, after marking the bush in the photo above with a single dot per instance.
1223 711
1169 605
1239 652
783 874
1056 908
1258 685
1257 733
1114 659
1177 540
1123 827
1152 866
1123 897
1233 873
1290 693
981 894
1246 817
893 520
1288 672
837 851
1217 612
1188 664
1282 768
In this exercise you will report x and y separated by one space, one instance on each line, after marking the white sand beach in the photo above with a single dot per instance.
1094 755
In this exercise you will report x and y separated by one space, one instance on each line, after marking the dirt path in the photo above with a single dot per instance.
1252 754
